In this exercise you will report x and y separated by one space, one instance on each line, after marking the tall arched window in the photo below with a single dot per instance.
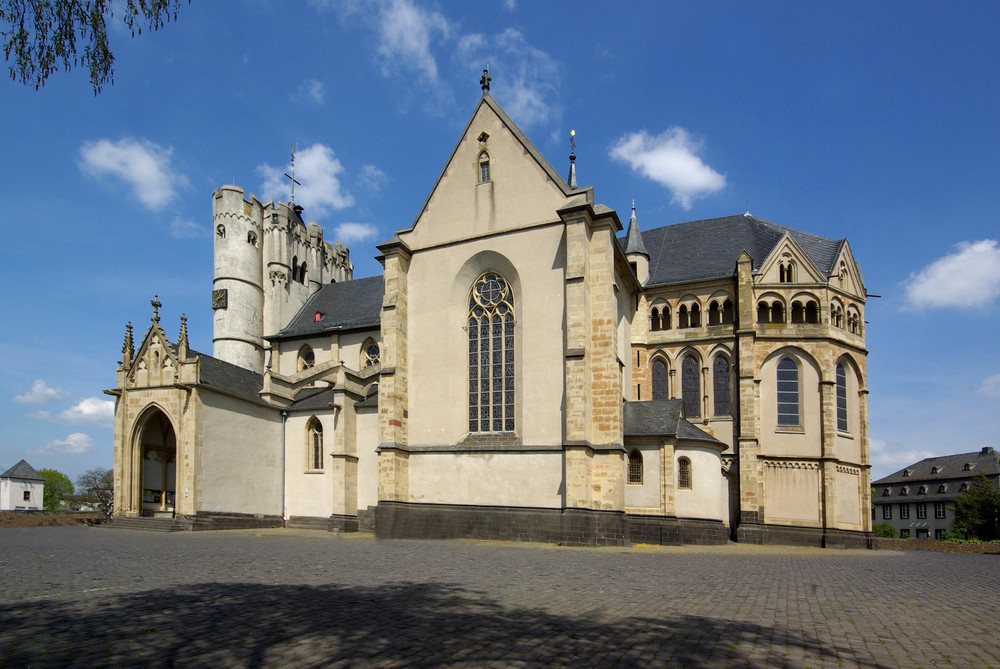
484 167
841 397
684 473
635 467
491 355
788 393
314 436
691 387
720 385
659 380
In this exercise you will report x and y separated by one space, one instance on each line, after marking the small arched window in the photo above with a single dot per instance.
635 467
788 393
714 313
763 312
252 238
785 273
682 317
798 313
727 312
695 316
659 379
314 448
295 268
654 319
302 273
220 230
684 474
484 167
720 386
777 312
665 317
691 387
307 358
369 353
841 397
812 312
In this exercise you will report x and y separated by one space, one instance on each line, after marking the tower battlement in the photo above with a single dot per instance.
267 262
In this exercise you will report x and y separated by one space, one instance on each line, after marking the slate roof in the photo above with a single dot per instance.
948 467
662 418
370 400
708 249
229 378
23 471
313 399
347 305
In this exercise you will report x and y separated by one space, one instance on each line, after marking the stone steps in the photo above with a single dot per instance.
145 524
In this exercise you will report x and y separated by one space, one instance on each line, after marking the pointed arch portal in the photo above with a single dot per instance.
156 446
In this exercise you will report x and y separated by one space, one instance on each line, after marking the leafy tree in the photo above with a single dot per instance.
977 509
884 530
57 488
97 490
40 36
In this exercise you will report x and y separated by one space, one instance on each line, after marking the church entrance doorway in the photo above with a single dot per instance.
158 447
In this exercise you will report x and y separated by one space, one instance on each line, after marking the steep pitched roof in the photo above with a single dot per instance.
655 418
707 249
23 471
633 238
348 305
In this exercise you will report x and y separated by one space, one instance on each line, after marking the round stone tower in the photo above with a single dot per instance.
238 291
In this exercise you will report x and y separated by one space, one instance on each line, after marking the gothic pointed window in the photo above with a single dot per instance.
659 380
369 353
314 448
691 387
491 355
484 168
720 386
788 393
841 397
307 358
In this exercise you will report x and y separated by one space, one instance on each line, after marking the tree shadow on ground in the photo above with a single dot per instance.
252 625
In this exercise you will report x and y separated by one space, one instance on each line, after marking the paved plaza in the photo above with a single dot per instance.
96 597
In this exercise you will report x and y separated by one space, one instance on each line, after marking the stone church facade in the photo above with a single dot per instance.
520 370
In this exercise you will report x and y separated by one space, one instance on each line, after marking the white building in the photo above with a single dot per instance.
21 488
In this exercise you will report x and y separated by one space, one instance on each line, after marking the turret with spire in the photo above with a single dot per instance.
635 250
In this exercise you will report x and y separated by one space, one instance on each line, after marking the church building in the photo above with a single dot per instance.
525 368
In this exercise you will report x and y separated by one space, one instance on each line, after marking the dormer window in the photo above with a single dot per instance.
942 488
906 472
923 490
904 491
967 467
318 317
484 167
935 470
886 492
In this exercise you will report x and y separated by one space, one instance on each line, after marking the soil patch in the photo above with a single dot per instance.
46 518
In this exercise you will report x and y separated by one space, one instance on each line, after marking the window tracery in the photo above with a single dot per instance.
691 387
659 380
314 437
721 386
491 355
307 358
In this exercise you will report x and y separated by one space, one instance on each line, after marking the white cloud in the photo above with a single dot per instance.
355 232
968 278
888 459
991 386
89 411
141 164
311 89
670 159
530 76
405 35
40 393
373 177
317 170
74 444
183 229
510 5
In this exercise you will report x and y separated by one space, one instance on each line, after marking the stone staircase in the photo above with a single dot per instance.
145 524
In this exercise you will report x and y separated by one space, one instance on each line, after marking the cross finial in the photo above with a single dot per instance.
291 177
485 80
156 308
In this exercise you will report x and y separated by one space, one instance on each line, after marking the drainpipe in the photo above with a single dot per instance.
284 505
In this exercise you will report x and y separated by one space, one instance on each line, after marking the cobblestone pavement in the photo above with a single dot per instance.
94 597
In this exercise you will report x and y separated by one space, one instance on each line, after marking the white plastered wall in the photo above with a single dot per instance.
366 423
491 479
645 497
12 494
708 496
309 492
239 457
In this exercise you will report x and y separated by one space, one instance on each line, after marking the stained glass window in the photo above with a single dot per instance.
691 387
659 380
491 355
841 398
720 385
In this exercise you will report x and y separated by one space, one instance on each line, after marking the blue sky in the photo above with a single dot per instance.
871 121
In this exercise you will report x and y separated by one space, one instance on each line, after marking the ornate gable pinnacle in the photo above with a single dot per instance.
156 308
182 338
128 347
485 80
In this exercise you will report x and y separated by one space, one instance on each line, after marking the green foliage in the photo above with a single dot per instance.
884 530
40 36
97 491
57 488
977 510
956 534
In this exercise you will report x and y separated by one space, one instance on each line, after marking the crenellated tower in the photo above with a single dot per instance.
267 263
